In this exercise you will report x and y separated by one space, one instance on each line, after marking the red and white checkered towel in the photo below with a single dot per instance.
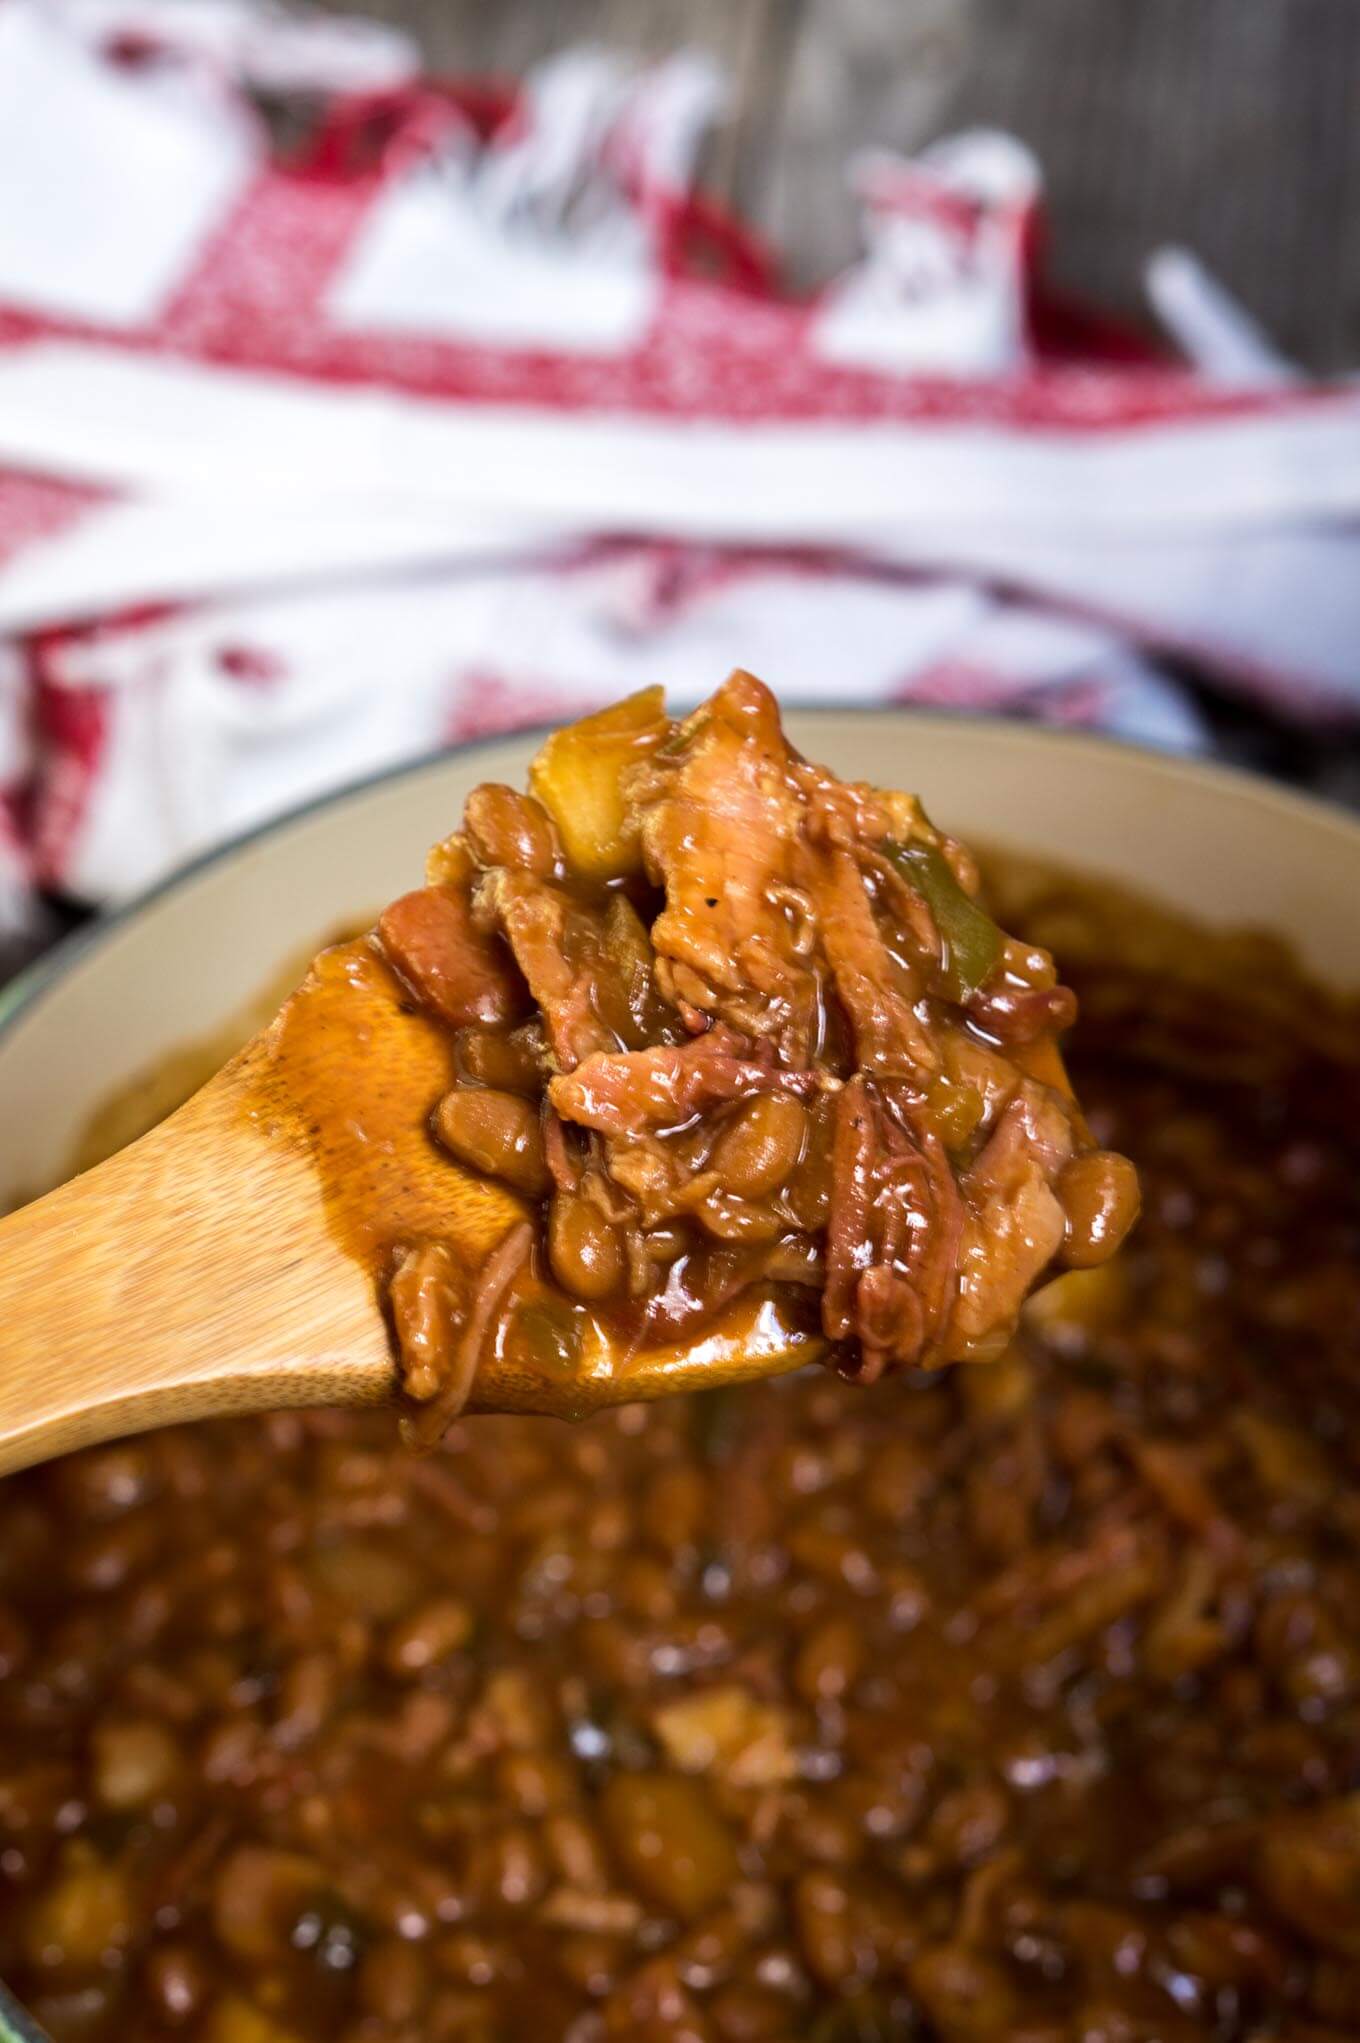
474 412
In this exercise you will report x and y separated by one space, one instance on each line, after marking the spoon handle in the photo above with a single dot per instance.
191 1274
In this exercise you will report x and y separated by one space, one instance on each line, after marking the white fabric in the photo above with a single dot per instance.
426 263
220 717
513 247
294 49
335 467
1211 328
927 297
96 413
108 204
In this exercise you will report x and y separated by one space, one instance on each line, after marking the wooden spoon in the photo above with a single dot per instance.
230 1260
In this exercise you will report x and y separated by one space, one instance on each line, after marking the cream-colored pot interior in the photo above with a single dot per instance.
1220 846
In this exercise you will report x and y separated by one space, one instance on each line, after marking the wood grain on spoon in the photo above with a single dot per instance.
231 1260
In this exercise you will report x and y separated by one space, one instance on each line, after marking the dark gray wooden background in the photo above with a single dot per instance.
1230 125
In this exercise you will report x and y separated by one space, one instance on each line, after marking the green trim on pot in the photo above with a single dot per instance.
15 2025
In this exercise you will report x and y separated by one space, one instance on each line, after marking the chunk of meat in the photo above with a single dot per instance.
559 947
1014 1223
443 1323
893 1233
642 1092
720 820
429 1298
877 990
463 974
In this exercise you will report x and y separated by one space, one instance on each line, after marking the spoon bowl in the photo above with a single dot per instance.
231 1259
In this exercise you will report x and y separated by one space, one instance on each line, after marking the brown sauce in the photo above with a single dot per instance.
355 1071
1015 1703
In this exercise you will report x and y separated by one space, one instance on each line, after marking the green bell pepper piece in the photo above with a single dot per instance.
970 940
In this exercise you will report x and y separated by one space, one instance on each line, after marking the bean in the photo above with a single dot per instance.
420 1727
732 1219
750 2014
548 1507
430 1634
394 1981
175 1983
671 1840
592 1961
967 1995
969 1822
645 1590
827 1546
231 1750
372 1576
827 1836
573 1908
674 1507
82 1918
511 1867
517 1710
652 2006
475 1960
1099 1194
533 1782
104 1560
498 1133
577 1853
708 1953
829 1935
1221 1952
828 1661
105 1481
80 2014
134 1764
585 1251
510 1063
760 1145
507 828
306 1697
14 1642
258 1897
235 2021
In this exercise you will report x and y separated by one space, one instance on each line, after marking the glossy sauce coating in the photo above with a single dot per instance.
739 1035
371 1083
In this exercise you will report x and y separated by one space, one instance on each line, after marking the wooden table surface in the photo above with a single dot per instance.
1230 125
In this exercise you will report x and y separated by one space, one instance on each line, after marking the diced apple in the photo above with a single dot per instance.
578 774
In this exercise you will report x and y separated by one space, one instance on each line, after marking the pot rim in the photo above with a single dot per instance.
32 986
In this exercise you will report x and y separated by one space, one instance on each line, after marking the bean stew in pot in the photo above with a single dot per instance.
1018 1702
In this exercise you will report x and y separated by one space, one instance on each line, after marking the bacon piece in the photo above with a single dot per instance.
1014 1224
440 1372
558 946
893 1232
641 1092
877 991
720 821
